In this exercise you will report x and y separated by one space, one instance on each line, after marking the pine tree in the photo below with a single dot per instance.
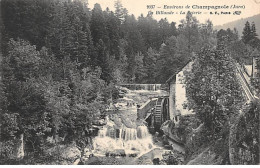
97 25
119 10
60 31
206 34
81 38
89 44
246 33
254 42
103 61
190 29
253 30
173 29
150 64
135 43
140 72
165 65
113 30
21 19
149 30
164 31
174 54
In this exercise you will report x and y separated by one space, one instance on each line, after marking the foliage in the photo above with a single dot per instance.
39 106
173 158
22 60
186 125
256 81
248 132
72 34
190 29
63 60
150 65
212 89
249 33
237 48
173 56
7 150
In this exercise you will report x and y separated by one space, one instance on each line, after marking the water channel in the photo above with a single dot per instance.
124 139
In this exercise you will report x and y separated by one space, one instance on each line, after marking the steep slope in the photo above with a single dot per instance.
239 24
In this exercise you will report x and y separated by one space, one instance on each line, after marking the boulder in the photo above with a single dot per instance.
87 152
76 162
71 153
100 122
93 161
117 152
156 161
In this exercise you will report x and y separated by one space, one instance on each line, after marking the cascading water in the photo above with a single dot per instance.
123 134
130 140
149 87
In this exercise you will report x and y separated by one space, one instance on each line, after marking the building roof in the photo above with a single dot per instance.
248 69
172 77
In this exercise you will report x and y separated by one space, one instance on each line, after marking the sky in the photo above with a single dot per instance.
138 7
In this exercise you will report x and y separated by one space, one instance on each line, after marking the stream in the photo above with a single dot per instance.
124 139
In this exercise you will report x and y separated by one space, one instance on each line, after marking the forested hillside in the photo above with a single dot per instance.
126 48
239 24
61 62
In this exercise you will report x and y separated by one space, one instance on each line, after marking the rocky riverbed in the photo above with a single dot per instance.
124 140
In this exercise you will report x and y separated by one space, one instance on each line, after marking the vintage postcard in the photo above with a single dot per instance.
129 82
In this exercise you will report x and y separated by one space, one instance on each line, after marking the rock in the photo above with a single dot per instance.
165 140
71 153
86 150
50 139
117 152
156 153
167 127
64 162
132 155
156 161
168 146
100 122
76 162
88 154
94 161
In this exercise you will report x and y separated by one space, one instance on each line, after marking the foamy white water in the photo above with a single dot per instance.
131 140
126 137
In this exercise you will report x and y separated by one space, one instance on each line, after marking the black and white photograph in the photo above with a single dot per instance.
129 82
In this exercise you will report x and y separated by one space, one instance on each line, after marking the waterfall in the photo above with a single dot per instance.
102 133
127 134
121 136
142 132
131 140
150 87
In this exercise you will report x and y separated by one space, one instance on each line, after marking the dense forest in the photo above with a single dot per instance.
61 62
225 122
